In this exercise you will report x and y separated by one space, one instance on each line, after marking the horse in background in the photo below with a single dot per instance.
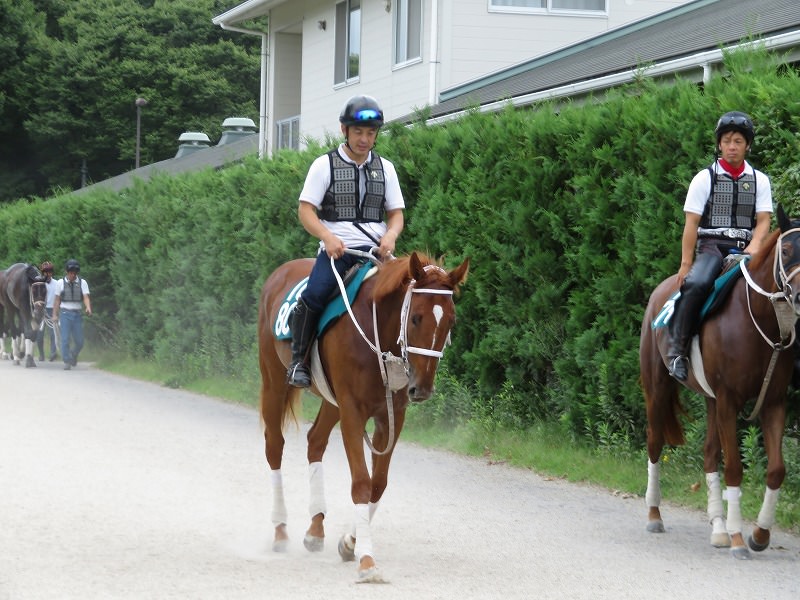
407 312
738 357
22 309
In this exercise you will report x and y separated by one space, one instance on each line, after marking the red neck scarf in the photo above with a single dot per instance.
730 170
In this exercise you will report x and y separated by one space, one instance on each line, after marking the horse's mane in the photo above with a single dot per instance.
395 274
760 257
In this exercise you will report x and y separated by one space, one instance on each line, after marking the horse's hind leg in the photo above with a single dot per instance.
318 436
274 399
772 423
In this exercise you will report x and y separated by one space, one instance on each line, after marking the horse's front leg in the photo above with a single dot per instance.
772 423
318 436
726 426
712 457
380 474
352 427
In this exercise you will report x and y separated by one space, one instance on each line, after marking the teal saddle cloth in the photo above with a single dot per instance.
722 286
333 310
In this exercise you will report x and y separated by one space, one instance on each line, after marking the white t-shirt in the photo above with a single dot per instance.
71 305
51 292
317 182
700 190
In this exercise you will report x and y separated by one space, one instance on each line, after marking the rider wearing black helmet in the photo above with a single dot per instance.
351 199
728 208
71 292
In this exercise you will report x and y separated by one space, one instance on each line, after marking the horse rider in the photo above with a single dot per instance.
51 284
728 210
351 199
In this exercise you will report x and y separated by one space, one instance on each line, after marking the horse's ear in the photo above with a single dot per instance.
459 274
415 268
784 222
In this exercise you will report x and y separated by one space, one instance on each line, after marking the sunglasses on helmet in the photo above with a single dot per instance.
366 114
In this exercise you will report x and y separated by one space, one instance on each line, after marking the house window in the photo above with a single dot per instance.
551 5
407 31
348 41
288 133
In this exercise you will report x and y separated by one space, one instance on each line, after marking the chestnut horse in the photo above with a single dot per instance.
403 317
743 363
22 301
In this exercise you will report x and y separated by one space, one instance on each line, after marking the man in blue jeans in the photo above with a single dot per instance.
71 292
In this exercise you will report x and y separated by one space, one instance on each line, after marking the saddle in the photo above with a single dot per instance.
352 280
716 298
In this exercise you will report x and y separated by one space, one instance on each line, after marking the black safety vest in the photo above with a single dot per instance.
72 291
732 202
341 201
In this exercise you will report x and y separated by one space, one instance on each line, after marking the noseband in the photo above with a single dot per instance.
32 297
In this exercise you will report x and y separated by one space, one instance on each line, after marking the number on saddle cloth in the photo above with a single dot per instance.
722 287
333 310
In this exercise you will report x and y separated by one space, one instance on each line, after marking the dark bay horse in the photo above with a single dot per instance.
404 314
22 302
741 364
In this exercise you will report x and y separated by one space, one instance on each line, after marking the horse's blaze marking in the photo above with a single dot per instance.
438 313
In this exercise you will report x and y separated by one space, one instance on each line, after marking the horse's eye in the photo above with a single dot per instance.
416 320
787 250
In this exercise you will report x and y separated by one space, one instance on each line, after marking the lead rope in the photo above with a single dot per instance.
784 314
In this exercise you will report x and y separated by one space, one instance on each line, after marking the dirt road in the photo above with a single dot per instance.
112 488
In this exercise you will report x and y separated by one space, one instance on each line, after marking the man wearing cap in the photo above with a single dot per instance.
72 295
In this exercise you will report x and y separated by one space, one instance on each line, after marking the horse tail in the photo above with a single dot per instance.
664 411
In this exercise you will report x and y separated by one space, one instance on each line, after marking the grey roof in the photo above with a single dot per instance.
686 30
213 157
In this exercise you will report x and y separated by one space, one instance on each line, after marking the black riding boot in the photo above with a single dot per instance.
683 323
303 327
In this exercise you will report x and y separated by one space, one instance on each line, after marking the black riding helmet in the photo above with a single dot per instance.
72 265
735 121
361 110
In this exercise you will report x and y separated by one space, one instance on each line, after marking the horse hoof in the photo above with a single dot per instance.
371 575
741 553
655 526
755 546
314 543
347 548
720 540
281 546
29 362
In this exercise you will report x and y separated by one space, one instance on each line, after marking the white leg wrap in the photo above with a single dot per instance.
29 347
734 521
316 481
653 495
714 491
373 506
363 535
766 516
279 515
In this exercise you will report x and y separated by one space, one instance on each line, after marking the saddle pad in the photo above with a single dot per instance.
722 285
333 310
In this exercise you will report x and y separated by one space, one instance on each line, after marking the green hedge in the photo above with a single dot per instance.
570 214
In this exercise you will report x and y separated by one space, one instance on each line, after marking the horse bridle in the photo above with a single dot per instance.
784 306
33 302
394 369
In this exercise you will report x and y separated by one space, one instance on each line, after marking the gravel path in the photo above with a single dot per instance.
112 488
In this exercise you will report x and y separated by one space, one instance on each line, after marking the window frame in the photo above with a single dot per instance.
348 18
407 20
547 9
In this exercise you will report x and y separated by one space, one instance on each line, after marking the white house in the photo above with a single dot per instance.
318 53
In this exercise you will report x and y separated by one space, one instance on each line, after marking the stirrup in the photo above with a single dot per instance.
679 367
298 375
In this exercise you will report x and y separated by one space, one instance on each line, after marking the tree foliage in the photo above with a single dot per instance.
73 70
